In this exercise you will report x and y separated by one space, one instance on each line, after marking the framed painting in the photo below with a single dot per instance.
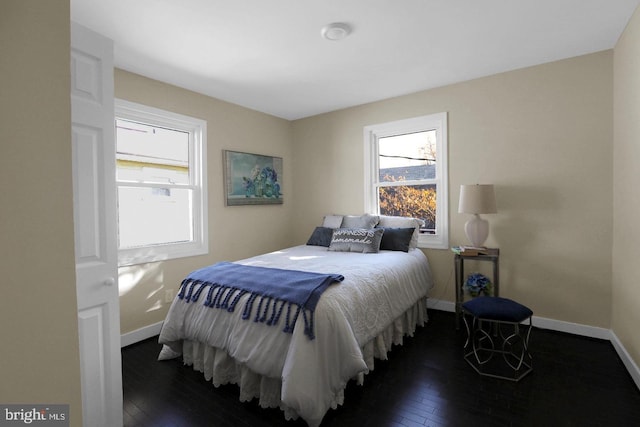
252 179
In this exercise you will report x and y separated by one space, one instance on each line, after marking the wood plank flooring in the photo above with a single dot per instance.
576 381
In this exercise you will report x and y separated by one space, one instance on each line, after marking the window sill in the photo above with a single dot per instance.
159 253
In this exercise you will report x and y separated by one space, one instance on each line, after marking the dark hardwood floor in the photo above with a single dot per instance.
576 381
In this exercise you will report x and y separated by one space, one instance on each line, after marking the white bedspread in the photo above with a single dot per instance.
378 288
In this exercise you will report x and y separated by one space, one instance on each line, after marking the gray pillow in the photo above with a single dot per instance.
360 221
361 240
332 221
321 236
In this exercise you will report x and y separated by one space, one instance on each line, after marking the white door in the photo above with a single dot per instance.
95 226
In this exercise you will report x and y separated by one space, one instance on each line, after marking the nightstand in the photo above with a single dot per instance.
491 255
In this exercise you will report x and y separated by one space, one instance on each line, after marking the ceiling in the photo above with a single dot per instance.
268 55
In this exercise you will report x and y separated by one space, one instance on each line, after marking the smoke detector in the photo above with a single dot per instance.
336 31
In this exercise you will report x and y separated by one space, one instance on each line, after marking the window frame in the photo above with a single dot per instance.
197 130
372 133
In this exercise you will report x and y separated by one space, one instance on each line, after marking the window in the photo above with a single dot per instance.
161 182
406 173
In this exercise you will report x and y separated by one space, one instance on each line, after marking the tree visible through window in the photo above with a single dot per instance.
405 161
407 173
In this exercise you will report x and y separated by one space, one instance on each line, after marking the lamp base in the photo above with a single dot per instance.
477 230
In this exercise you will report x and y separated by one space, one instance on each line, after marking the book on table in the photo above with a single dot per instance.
469 250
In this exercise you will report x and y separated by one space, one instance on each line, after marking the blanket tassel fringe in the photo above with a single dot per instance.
227 297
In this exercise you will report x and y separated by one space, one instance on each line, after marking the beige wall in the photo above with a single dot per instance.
235 232
38 315
542 135
539 134
626 193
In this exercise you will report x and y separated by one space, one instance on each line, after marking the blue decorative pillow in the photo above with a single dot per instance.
356 240
402 222
321 236
396 239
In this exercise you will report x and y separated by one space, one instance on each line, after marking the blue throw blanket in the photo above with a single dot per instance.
273 287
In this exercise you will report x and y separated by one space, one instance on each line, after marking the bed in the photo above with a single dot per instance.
381 298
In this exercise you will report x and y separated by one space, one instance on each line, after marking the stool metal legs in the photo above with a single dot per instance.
486 338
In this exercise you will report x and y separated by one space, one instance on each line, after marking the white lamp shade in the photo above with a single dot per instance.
477 199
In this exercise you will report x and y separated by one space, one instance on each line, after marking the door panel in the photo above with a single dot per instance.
95 226
87 143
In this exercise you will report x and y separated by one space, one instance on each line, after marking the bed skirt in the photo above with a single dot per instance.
219 368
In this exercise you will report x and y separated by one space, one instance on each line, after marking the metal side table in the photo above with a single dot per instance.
489 254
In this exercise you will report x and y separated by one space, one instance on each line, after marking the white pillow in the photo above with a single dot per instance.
403 222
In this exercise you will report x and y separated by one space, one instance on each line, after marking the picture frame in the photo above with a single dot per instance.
252 179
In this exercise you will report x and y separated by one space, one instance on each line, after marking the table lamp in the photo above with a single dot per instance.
477 199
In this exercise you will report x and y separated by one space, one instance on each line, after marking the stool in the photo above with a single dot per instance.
497 329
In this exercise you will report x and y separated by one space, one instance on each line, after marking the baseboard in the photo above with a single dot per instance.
438 304
631 366
571 328
539 322
140 334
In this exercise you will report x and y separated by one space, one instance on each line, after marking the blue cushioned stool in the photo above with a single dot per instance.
497 328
